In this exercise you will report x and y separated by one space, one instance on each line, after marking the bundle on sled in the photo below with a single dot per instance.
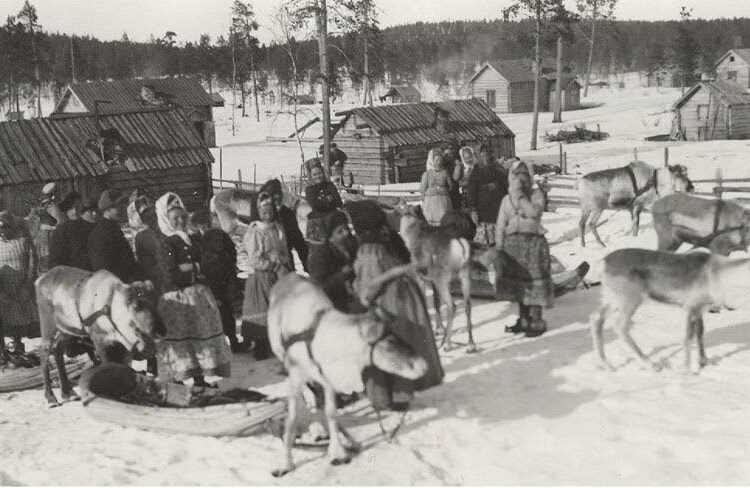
484 275
115 393
579 134
16 378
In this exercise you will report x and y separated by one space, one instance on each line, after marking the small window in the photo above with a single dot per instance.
702 111
731 59
490 98
732 75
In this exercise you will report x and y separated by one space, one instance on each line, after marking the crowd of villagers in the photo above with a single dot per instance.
193 264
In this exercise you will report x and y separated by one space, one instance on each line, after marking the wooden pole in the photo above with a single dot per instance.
666 157
635 154
221 168
255 172
322 25
239 177
565 163
561 153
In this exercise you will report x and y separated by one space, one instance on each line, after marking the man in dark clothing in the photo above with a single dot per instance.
69 240
487 187
294 238
331 263
108 248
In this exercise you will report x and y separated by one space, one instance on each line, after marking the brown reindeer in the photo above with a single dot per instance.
440 257
720 225
74 302
631 187
320 344
692 281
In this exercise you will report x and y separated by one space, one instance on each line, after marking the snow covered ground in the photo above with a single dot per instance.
521 411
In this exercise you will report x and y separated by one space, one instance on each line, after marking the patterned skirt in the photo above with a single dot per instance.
524 275
195 343
485 234
255 305
434 207
19 315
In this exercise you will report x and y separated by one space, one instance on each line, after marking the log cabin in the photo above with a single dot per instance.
402 94
125 96
157 151
389 143
711 110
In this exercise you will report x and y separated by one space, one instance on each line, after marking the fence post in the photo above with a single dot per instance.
565 163
239 178
221 167
718 189
561 157
666 157
635 154
255 168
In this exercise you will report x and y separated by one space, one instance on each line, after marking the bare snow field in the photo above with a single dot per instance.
521 411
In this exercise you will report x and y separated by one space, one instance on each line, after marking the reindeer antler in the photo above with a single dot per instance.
372 290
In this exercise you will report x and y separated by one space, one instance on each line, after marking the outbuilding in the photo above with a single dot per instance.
711 110
402 94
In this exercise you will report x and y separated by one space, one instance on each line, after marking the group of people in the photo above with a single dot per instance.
505 206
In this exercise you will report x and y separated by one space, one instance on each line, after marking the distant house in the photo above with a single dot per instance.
389 143
125 96
402 94
157 151
734 66
13 115
670 76
218 100
508 85
711 110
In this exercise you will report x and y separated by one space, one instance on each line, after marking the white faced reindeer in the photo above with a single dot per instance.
720 225
631 187
320 344
439 257
692 281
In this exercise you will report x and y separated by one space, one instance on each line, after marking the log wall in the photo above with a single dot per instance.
490 79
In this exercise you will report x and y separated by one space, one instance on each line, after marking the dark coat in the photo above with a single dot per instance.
294 238
151 257
108 249
69 244
323 198
218 260
179 252
326 270
486 189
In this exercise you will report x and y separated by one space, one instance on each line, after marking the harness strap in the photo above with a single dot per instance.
89 321
652 183
717 214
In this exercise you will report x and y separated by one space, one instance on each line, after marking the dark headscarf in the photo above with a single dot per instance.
272 187
332 220
69 200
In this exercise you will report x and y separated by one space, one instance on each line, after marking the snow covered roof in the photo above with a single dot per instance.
743 54
729 92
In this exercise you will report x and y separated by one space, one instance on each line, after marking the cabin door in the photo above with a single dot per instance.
490 98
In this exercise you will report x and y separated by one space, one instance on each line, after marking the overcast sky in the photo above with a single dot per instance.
108 19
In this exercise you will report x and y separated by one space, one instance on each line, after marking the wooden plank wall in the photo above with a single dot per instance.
738 65
489 79
20 198
191 183
522 97
713 126
739 122
367 160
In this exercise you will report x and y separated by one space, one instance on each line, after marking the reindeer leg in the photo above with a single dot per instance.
689 334
436 302
636 216
597 322
623 330
44 348
582 225
702 359
593 223
336 453
290 426
465 277
444 292
68 393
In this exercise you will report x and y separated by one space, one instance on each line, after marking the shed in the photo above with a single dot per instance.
13 115
712 110
157 151
125 96
734 66
571 93
218 100
508 85
670 76
389 143
402 94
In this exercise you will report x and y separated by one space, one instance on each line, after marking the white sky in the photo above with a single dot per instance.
108 19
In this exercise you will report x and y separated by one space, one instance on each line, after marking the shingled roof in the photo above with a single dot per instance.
521 70
125 95
727 91
743 54
414 123
49 149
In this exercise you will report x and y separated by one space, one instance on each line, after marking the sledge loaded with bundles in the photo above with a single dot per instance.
579 134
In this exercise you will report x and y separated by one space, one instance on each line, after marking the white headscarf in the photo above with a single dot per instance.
431 161
473 157
163 205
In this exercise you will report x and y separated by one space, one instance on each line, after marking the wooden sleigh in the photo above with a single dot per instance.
16 379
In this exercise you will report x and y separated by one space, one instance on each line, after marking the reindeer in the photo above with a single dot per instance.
692 281
720 225
633 187
307 333
74 302
439 257
237 207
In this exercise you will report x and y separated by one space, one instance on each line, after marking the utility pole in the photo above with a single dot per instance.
557 117
72 60
537 73
322 21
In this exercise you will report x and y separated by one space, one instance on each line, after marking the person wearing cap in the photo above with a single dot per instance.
487 187
324 198
149 246
108 248
331 263
288 220
194 345
69 242
18 311
90 210
50 216
268 260
524 274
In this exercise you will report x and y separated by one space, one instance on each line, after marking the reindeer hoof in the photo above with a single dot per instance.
606 366
703 362
338 461
278 473
52 403
71 397
472 349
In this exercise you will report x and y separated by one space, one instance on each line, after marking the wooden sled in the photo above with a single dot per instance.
16 379
234 419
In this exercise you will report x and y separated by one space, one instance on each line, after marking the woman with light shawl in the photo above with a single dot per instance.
462 172
524 261
435 188
194 345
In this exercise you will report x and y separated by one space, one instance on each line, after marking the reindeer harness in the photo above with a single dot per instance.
652 183
705 241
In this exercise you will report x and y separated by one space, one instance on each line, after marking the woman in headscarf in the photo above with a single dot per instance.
524 261
324 198
487 186
288 220
268 260
194 345
435 189
381 248
18 312
462 173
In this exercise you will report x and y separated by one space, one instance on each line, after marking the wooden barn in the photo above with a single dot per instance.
157 151
125 96
712 110
218 100
669 77
571 92
508 85
402 94
389 143
734 66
